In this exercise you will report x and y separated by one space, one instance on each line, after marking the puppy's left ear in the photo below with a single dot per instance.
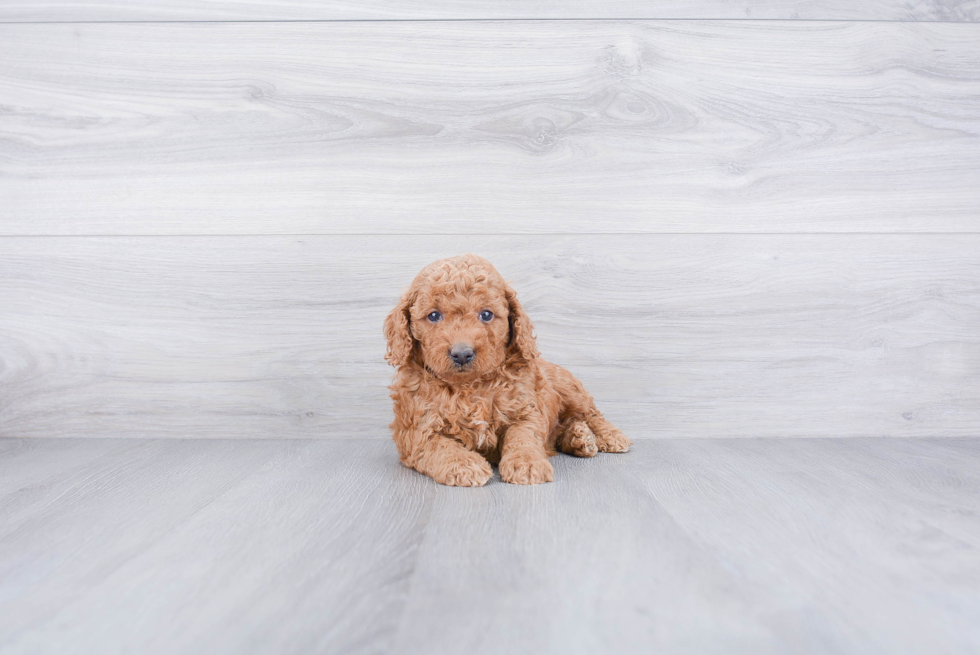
398 331
521 331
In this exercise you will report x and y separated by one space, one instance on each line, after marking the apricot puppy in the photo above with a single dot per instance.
471 388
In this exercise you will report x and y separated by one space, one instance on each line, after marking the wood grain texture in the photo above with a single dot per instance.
675 335
495 127
266 10
756 546
190 546
861 546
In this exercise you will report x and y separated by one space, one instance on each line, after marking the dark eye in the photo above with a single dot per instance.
486 316
435 317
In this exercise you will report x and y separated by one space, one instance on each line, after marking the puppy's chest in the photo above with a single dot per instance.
477 420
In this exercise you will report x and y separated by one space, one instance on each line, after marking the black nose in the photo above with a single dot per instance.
461 354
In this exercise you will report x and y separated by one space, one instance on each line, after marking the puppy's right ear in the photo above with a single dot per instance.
398 332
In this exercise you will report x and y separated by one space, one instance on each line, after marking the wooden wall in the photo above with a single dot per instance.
725 226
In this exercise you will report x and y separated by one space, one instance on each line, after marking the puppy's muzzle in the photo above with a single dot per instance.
461 354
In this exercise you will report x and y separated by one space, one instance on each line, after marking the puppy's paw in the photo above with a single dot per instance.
463 471
613 441
525 469
579 440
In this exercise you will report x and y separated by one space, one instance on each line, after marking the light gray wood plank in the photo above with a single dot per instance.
225 10
460 127
591 563
877 544
675 335
28 465
219 546
685 546
780 545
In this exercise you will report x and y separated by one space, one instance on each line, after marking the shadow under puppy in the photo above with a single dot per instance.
471 388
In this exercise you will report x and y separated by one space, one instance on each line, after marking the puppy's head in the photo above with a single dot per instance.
460 320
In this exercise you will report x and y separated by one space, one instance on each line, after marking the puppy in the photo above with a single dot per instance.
471 389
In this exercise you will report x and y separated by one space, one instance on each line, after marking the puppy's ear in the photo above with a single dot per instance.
521 331
398 331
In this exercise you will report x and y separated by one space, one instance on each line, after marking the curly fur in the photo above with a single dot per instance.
507 406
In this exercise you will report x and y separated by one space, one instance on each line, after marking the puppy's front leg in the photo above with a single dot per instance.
447 461
523 458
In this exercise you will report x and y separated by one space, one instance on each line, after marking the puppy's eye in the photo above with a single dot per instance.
486 316
435 317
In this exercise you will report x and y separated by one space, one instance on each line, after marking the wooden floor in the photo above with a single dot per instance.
300 546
